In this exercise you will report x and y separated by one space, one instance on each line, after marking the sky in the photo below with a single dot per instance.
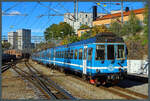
29 13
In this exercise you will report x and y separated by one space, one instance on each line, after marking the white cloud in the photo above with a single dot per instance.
15 13
37 30
12 13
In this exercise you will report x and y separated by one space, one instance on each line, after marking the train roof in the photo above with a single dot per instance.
99 38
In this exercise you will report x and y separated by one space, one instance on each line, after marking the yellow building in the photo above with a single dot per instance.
81 31
107 19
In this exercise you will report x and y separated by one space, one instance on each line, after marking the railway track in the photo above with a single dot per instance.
48 87
8 65
4 68
122 92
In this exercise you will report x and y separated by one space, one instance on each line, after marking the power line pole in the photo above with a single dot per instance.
122 12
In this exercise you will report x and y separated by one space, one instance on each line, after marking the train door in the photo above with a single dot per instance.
89 57
85 60
54 54
110 57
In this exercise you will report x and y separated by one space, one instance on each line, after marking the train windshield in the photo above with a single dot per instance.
100 52
110 52
120 52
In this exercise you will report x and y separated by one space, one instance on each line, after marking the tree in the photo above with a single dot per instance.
6 45
133 24
86 35
99 29
145 21
84 27
70 39
57 31
115 27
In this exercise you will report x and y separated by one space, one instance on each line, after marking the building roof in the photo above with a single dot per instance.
109 16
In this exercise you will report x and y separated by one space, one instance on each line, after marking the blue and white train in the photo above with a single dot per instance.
100 59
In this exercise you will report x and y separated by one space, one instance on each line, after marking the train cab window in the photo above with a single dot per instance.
110 52
90 50
120 52
80 54
76 54
100 52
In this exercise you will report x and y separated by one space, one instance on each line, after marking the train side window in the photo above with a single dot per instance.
62 54
65 54
121 52
100 52
71 54
85 54
58 54
80 54
76 54
68 56
49 54
90 50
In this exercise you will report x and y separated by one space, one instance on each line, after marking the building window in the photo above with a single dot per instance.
107 25
80 23
86 16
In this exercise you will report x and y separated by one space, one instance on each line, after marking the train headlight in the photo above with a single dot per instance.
119 69
125 69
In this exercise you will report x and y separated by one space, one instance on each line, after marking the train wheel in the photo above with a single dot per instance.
96 82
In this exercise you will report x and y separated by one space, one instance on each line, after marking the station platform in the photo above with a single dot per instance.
138 77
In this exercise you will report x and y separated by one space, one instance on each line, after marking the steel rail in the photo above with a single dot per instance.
52 83
42 87
131 92
34 83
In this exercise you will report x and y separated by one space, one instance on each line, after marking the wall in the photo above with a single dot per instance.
108 21
137 66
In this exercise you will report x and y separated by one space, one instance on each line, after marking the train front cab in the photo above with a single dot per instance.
106 62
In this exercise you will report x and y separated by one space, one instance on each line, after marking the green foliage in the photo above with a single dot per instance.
146 21
57 31
115 28
6 45
131 27
85 35
70 39
84 27
133 24
99 29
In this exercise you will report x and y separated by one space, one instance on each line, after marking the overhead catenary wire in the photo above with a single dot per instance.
31 12
11 7
12 21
